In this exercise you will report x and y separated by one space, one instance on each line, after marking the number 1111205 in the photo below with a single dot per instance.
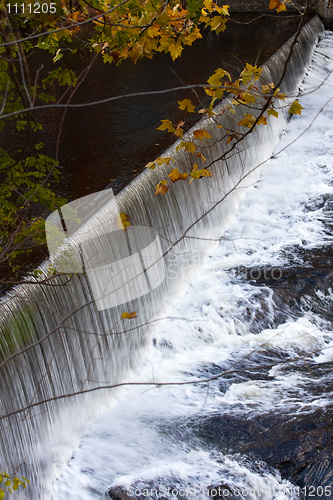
32 8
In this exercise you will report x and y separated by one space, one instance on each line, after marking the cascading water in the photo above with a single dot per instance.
241 316
75 347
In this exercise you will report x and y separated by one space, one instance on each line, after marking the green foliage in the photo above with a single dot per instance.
10 484
62 76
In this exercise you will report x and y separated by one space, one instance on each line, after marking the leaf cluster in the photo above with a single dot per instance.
10 483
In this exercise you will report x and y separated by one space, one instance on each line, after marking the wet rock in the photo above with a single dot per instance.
317 479
119 493
300 447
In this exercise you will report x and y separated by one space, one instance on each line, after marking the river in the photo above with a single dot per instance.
257 315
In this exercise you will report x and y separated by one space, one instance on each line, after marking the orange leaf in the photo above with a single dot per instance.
127 315
201 133
161 188
179 132
175 175
231 138
262 120
200 155
276 4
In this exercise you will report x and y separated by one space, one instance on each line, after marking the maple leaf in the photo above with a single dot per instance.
247 121
151 165
208 5
191 37
161 188
247 97
166 125
127 315
200 155
262 120
154 31
187 105
276 4
163 159
266 89
201 134
273 112
223 10
218 24
175 175
197 173
164 44
158 162
175 50
188 146
295 108
122 221
216 78
250 72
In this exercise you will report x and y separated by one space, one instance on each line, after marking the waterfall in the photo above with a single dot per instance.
77 347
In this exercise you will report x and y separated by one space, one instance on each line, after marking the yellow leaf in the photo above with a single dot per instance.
153 31
295 108
187 105
191 37
216 78
247 97
127 315
208 5
158 162
151 165
250 72
122 221
273 112
161 188
197 173
175 50
266 89
247 121
175 175
166 125
201 134
222 10
164 44
205 173
218 24
188 146
163 159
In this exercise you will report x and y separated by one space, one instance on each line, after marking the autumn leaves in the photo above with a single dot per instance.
245 90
